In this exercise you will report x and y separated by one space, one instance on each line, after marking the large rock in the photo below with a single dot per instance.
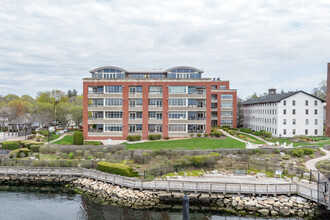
263 211
259 175
284 211
273 213
304 181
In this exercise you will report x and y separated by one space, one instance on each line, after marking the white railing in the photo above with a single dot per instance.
169 185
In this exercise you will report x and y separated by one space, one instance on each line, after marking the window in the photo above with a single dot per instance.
293 121
284 111
177 102
226 96
214 87
306 131
315 131
293 102
284 121
226 122
135 102
135 115
226 105
196 128
306 102
155 128
135 128
155 90
196 116
113 114
177 115
156 75
196 90
156 115
113 127
223 87
177 89
156 102
315 112
177 127
284 131
135 89
306 111
113 89
113 101
315 122
226 113
137 76
315 102
214 105
293 131
214 97
284 102
293 111
306 121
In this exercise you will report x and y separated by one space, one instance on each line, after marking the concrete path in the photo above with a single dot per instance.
59 138
311 164
259 138
233 137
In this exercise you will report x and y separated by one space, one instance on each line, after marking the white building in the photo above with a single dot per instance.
286 114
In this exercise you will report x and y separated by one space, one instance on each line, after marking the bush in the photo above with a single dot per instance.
212 134
138 137
11 145
231 132
286 157
35 148
28 143
44 133
218 133
199 135
192 135
18 152
246 130
71 155
37 156
79 153
154 136
93 143
206 134
131 137
78 138
64 155
308 151
99 154
116 168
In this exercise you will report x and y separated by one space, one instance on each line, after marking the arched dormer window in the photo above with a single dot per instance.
184 72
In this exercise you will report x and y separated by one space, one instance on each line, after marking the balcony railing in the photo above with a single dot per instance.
197 93
96 130
95 105
196 118
196 131
95 92
197 106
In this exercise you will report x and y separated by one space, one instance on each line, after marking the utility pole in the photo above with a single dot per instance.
185 207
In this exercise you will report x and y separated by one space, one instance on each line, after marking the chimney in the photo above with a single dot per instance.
327 120
271 91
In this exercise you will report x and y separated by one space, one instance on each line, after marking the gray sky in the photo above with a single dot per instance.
255 44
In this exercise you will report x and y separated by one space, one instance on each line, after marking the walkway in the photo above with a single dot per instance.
233 137
169 185
59 138
311 164
259 138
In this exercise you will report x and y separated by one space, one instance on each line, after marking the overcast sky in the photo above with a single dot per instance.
47 45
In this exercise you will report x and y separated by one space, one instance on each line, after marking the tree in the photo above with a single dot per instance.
77 114
321 91
69 94
240 115
10 97
27 98
74 92
44 97
43 113
62 113
253 96
18 109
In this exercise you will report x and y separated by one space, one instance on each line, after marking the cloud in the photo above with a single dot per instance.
48 45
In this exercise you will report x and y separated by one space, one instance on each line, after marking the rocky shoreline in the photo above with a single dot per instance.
264 205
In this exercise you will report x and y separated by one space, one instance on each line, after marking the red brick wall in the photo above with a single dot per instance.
165 104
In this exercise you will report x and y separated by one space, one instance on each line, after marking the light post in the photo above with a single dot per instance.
185 214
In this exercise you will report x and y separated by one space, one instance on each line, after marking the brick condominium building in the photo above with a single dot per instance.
173 102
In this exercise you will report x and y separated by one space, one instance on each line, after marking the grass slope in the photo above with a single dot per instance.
256 140
189 144
68 139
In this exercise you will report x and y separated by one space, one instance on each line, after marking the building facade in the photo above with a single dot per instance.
173 102
285 114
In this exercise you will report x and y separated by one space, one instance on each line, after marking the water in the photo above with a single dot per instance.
19 202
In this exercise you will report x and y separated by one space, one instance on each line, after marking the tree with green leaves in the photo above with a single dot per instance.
62 113
321 91
42 113
240 114
77 114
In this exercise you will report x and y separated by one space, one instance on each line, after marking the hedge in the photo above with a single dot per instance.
28 143
78 138
134 137
35 148
116 168
11 145
154 136
18 152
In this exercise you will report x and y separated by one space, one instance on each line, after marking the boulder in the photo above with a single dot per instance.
304 181
258 175
263 211
214 172
273 213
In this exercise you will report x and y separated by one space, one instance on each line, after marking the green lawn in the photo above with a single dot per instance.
53 137
255 140
189 144
68 139
296 144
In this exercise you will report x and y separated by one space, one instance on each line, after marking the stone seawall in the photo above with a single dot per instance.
265 205
36 180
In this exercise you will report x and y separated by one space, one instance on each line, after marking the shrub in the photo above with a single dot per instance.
192 135
206 134
64 155
35 148
11 145
93 143
78 138
37 156
71 155
246 130
212 134
231 132
99 154
297 152
22 152
218 133
131 137
308 151
286 157
199 135
138 137
28 143
44 133
154 136
79 153
116 168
